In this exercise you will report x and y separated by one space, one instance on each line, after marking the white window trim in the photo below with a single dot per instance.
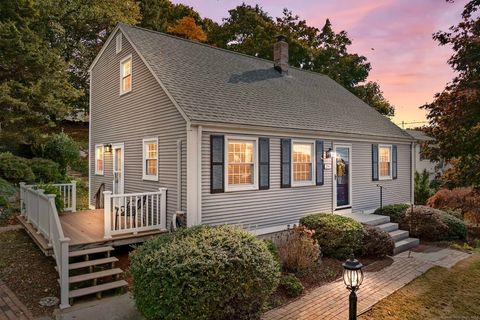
129 57
303 183
144 169
254 186
380 177
98 172
118 43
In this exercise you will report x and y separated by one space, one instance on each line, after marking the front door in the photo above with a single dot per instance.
117 168
342 176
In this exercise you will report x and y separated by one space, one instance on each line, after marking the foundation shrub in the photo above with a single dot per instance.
394 211
338 236
203 273
290 284
376 243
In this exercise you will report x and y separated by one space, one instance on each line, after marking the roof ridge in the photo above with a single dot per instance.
218 48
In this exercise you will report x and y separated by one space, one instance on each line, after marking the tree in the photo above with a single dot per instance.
372 95
34 85
454 115
188 29
159 15
78 30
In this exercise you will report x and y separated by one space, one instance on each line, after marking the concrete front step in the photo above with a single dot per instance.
405 244
398 235
387 227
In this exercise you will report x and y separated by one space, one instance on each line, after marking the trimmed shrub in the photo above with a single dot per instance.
290 284
15 169
376 243
457 230
422 187
273 249
203 273
297 249
467 200
394 211
60 148
45 170
425 223
337 236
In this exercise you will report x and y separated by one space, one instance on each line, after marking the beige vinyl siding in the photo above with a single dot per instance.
277 206
366 194
260 209
145 112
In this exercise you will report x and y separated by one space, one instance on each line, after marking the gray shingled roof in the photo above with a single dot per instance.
216 85
419 135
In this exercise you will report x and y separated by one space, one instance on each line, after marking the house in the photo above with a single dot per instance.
236 139
421 162
179 128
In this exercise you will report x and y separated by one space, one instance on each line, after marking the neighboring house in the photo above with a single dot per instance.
236 139
434 168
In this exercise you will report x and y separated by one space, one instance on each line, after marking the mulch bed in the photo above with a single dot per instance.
27 271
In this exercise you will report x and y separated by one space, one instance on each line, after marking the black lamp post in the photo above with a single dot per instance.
353 277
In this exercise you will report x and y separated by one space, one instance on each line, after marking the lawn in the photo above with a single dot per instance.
438 294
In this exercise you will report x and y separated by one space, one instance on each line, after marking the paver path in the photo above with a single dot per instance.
10 307
331 301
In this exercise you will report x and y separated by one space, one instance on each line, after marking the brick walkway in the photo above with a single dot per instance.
331 301
10 307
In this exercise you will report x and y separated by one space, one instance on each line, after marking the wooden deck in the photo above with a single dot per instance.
85 230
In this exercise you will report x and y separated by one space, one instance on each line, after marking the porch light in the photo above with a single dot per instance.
352 277
328 153
107 147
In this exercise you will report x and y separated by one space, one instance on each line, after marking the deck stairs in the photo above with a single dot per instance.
93 271
403 241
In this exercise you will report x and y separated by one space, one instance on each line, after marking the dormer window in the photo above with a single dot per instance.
126 75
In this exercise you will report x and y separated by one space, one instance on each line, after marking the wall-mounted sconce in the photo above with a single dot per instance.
107 147
328 153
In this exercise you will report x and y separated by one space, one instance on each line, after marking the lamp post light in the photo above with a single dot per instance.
353 277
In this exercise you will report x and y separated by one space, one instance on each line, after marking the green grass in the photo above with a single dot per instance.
438 294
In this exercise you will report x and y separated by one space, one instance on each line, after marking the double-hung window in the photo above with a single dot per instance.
303 160
99 156
241 164
384 162
150 159
126 75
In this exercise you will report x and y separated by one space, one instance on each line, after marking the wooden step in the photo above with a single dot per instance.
91 263
99 288
95 275
84 252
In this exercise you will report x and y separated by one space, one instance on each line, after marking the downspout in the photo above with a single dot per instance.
412 174
179 187
199 175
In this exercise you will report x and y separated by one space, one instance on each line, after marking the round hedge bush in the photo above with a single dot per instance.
394 211
290 284
457 230
15 169
425 223
376 242
203 273
45 170
338 236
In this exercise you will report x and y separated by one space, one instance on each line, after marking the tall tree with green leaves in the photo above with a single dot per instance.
34 84
454 115
78 30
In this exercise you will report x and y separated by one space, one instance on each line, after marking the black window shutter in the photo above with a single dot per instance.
264 163
217 160
375 162
319 160
394 162
285 167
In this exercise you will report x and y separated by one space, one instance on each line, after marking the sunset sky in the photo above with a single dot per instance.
395 36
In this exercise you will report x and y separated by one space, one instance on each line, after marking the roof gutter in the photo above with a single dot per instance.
235 127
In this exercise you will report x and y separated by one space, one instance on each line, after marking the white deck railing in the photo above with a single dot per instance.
39 210
134 212
68 193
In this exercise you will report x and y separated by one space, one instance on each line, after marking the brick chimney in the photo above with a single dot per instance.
280 54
